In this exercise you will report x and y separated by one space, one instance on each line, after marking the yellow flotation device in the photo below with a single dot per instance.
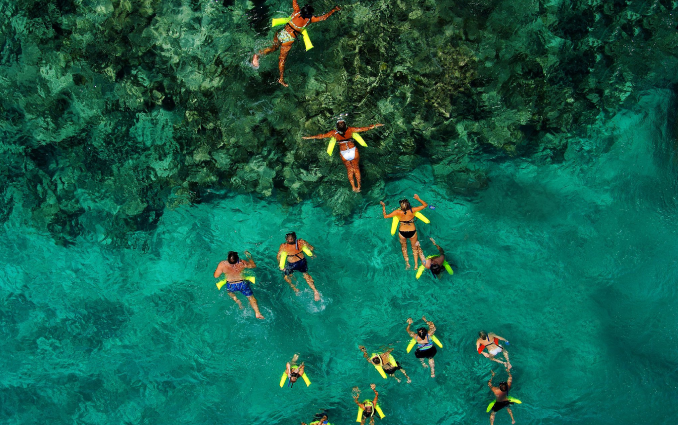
396 221
284 378
447 266
307 251
433 338
358 138
380 369
304 33
283 260
511 399
223 282
369 403
330 147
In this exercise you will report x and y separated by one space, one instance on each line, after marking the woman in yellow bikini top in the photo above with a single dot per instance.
406 215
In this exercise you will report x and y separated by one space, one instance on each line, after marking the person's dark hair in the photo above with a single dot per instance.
293 234
436 269
341 126
307 11
422 332
503 386
482 334
233 257
376 360
406 203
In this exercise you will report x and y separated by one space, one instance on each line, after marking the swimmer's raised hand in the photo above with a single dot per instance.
409 320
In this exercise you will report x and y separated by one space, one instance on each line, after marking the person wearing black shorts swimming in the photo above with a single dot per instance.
425 347
233 268
501 393
296 261
386 361
368 407
407 229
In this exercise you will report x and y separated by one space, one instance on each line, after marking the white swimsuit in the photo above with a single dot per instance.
348 154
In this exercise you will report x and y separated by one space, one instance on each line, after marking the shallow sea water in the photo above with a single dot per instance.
574 263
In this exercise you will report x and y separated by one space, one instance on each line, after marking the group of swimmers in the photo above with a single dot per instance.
292 254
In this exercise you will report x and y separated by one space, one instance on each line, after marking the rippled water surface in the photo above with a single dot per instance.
574 263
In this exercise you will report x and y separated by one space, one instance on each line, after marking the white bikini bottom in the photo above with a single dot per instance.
348 154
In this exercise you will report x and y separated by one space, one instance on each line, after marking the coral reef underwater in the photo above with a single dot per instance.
113 110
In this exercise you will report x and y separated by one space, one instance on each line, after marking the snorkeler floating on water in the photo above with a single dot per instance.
294 372
502 397
435 263
385 363
424 339
367 408
319 420
235 281
405 217
347 138
291 259
294 26
488 346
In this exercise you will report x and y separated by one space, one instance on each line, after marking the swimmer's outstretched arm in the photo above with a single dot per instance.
431 326
423 204
249 263
301 369
499 338
510 380
409 322
438 246
364 352
424 261
305 242
361 129
295 5
376 394
393 214
325 16
320 136
220 269
288 369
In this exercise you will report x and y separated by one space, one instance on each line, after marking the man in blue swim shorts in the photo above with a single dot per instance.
235 282
294 252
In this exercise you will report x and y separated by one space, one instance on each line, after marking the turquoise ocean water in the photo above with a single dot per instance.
574 263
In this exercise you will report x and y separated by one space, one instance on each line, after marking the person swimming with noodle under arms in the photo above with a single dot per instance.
407 230
235 282
488 346
386 362
294 371
369 408
425 347
291 258
284 39
347 148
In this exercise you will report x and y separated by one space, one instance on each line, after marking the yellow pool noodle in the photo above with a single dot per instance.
411 345
379 411
511 399
448 267
437 341
360 415
307 40
330 147
307 251
305 378
283 260
420 270
358 138
381 371
422 217
490 405
283 379
279 21
250 278
220 284
394 225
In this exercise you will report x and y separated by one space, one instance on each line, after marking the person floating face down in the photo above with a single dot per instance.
386 362
407 229
435 263
233 268
425 347
488 346
347 149
320 420
296 261
369 407
501 393
284 39
294 371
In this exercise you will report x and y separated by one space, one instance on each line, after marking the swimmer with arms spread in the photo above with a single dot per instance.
425 347
435 263
407 229
369 407
284 39
384 360
293 371
501 393
347 148
235 282
296 261
488 346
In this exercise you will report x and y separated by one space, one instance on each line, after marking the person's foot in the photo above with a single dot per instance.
296 291
508 366
425 365
356 190
281 81
409 381
259 316
398 380
513 421
433 375
240 305
407 267
316 296
255 61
